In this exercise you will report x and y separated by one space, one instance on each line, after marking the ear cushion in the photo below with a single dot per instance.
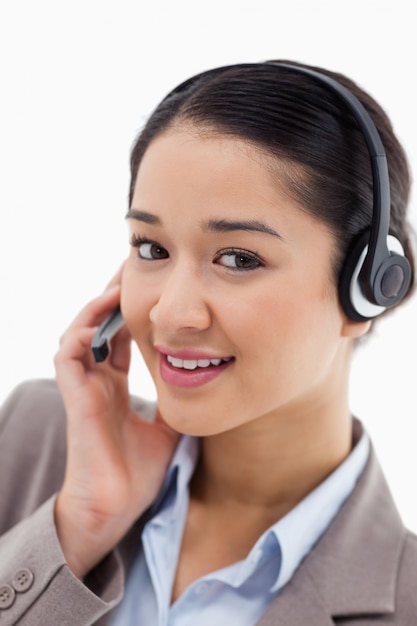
395 279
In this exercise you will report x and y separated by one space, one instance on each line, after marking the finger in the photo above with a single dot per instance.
117 278
74 357
96 310
76 344
121 350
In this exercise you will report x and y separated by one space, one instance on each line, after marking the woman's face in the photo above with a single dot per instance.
227 290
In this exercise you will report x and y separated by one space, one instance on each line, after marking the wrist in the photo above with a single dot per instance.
84 540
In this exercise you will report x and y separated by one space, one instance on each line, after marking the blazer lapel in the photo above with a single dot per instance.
352 570
297 604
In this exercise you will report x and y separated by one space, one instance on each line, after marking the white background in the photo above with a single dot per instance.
77 80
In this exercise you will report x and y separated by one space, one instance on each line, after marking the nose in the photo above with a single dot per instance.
181 305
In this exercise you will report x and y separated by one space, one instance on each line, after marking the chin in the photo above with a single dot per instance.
187 417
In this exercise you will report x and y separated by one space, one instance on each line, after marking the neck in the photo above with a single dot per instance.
273 462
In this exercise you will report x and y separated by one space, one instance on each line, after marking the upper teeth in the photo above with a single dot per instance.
189 364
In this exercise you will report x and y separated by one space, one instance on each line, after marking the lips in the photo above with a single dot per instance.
189 368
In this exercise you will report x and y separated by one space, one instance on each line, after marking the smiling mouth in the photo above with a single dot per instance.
193 364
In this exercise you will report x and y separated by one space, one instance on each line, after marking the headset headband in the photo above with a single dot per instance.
376 274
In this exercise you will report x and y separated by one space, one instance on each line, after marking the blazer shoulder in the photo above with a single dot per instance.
410 548
31 398
32 449
406 598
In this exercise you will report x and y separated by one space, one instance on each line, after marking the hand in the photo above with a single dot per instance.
116 460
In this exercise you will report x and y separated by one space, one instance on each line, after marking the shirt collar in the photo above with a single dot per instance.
292 537
178 475
302 527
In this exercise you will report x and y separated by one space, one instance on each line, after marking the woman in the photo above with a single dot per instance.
249 495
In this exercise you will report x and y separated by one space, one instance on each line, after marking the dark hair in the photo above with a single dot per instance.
301 122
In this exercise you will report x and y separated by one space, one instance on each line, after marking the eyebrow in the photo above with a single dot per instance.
143 216
226 226
213 226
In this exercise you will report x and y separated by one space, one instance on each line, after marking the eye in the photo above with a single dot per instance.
148 250
238 260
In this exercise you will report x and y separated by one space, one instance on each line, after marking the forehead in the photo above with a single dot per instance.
186 164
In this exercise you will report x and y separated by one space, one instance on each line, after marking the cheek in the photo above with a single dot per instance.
287 331
136 301
271 313
261 319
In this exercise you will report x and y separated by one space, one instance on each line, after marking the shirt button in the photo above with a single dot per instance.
7 596
23 580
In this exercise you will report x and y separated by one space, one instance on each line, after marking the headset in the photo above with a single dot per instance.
376 274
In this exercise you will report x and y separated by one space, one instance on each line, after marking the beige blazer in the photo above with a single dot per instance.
362 572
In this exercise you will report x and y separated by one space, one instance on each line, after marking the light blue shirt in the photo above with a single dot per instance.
236 595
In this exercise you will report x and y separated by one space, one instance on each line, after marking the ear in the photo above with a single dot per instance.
354 330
